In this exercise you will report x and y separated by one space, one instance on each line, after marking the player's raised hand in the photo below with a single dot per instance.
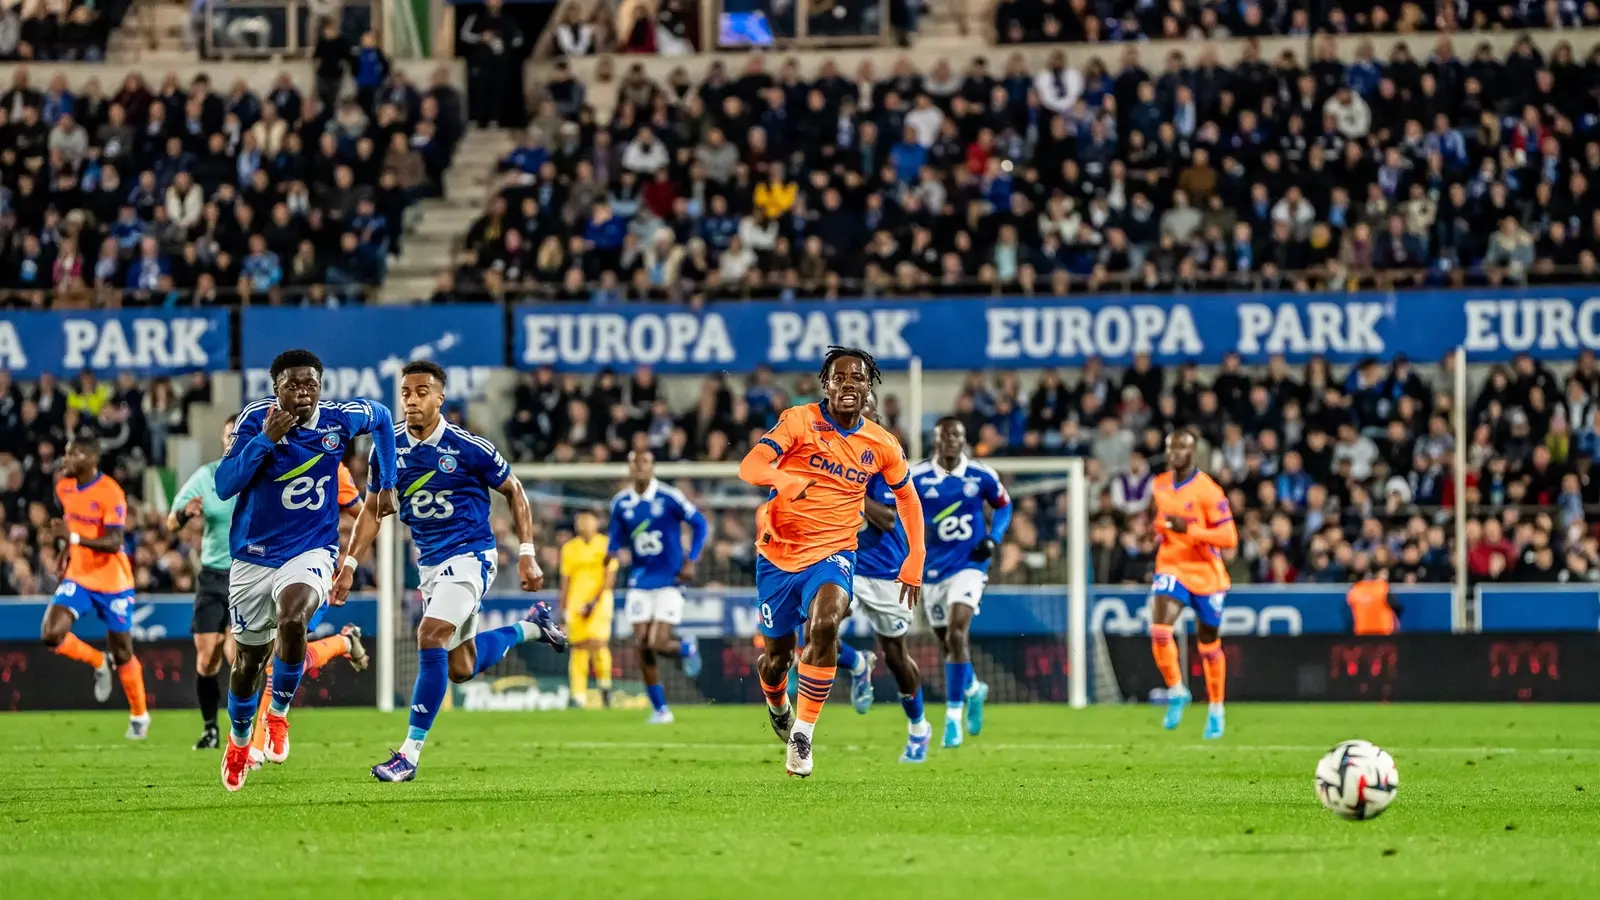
910 595
278 423
529 573
387 503
342 583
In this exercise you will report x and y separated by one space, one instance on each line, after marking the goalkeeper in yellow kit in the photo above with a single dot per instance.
587 579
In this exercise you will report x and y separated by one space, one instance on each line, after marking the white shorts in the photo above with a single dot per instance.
663 604
470 575
964 587
879 600
253 592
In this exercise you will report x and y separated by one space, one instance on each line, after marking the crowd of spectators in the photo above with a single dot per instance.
205 195
1188 175
60 30
1053 21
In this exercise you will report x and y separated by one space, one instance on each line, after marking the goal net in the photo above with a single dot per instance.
1023 645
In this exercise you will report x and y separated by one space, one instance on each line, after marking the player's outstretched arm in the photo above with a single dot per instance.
253 441
529 574
362 534
109 542
699 529
371 417
757 468
909 507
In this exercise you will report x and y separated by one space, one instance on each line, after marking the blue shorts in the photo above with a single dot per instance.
784 598
1207 607
112 609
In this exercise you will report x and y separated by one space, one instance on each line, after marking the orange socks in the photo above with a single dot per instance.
1165 650
815 683
73 647
320 653
777 694
1216 666
132 675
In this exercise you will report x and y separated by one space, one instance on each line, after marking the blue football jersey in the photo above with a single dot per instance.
444 483
952 509
289 491
650 527
879 554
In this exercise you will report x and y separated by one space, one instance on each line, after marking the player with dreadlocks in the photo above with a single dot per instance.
817 461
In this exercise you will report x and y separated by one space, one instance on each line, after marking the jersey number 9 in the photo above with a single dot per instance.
429 505
955 528
306 492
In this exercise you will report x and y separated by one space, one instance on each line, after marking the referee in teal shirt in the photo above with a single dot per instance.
212 638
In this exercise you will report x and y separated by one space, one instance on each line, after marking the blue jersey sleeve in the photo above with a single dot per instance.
367 417
487 461
616 533
243 458
698 526
994 494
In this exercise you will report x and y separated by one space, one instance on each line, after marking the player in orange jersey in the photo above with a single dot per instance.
346 644
95 574
1195 526
817 461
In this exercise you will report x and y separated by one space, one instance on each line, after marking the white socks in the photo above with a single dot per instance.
805 728
411 750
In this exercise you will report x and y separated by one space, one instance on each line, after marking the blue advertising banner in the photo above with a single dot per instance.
146 342
1538 607
1019 333
363 347
158 616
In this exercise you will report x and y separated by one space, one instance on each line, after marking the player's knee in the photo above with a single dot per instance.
435 634
121 653
1206 634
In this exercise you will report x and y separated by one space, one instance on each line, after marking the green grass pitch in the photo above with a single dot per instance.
1495 801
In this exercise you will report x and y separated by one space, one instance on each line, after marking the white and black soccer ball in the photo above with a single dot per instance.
1357 780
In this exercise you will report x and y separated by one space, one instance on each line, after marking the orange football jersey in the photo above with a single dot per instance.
88 511
1200 501
793 534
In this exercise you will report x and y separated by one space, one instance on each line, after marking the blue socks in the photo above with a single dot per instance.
494 645
956 678
242 715
285 681
848 656
912 704
433 680
658 696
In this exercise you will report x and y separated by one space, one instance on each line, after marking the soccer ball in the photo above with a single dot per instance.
1357 780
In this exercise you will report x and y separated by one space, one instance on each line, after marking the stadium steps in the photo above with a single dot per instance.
441 223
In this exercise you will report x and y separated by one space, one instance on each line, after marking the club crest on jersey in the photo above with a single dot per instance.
867 458
657 508
447 464
330 442
970 488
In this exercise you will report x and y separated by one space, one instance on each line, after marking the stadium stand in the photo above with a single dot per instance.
1273 172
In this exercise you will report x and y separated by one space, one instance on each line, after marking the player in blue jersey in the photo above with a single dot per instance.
954 491
880 551
445 476
283 467
647 523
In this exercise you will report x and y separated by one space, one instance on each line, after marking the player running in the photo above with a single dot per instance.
446 473
817 461
954 491
198 500
879 556
284 535
588 578
95 574
344 645
647 523
1195 525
